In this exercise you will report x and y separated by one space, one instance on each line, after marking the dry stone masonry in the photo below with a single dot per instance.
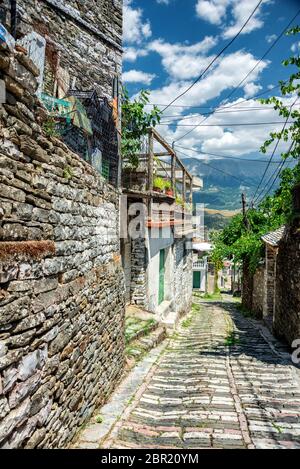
61 280
83 41
183 276
287 292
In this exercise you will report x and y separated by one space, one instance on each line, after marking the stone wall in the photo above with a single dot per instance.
61 280
183 276
247 287
139 280
84 40
287 309
258 292
269 281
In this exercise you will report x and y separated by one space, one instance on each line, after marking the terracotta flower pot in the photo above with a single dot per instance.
170 193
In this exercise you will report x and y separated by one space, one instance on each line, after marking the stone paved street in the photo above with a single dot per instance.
218 384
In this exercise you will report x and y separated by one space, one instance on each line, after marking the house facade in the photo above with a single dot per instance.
62 320
77 49
157 249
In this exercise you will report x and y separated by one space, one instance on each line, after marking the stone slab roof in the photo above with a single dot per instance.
274 237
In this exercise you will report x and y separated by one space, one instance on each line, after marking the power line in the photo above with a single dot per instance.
233 111
216 57
227 157
276 177
221 107
274 150
265 54
220 170
234 90
228 125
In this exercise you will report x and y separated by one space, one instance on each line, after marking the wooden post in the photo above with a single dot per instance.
184 186
150 162
191 191
173 173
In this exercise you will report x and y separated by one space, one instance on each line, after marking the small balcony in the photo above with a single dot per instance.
199 265
163 180
165 215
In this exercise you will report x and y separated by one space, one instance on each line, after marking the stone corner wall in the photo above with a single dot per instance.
83 38
61 280
139 278
247 287
287 310
183 277
258 294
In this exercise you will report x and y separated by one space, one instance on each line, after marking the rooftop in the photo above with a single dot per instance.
274 237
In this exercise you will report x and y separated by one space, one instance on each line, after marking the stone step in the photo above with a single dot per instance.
163 310
171 321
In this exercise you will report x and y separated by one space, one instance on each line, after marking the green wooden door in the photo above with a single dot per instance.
196 280
161 291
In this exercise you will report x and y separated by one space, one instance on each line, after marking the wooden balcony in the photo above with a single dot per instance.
177 217
159 161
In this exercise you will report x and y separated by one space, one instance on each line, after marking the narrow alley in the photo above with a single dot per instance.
230 388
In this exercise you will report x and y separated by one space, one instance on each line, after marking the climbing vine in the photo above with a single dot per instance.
135 124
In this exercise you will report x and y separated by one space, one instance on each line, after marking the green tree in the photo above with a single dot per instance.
135 124
290 86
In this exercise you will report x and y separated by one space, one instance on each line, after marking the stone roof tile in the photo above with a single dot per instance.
274 237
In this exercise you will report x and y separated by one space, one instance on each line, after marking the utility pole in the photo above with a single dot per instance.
245 218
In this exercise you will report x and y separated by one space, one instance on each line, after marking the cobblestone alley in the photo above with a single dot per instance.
219 383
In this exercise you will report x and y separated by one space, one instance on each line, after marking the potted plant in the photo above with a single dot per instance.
158 184
168 189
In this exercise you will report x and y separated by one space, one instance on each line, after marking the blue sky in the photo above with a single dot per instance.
169 42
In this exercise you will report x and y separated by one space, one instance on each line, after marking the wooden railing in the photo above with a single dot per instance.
180 219
163 165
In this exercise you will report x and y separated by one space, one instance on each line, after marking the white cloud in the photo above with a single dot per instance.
235 141
131 54
296 47
217 11
135 28
164 2
212 11
271 38
137 76
183 61
251 89
228 72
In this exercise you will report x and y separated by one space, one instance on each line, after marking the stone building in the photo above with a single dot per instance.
287 288
272 242
264 279
76 44
276 293
157 247
61 279
77 47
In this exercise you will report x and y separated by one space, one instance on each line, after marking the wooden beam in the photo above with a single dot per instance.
145 155
165 144
150 161
162 141
184 186
173 173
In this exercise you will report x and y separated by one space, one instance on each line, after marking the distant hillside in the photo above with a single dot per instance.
222 192
225 180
